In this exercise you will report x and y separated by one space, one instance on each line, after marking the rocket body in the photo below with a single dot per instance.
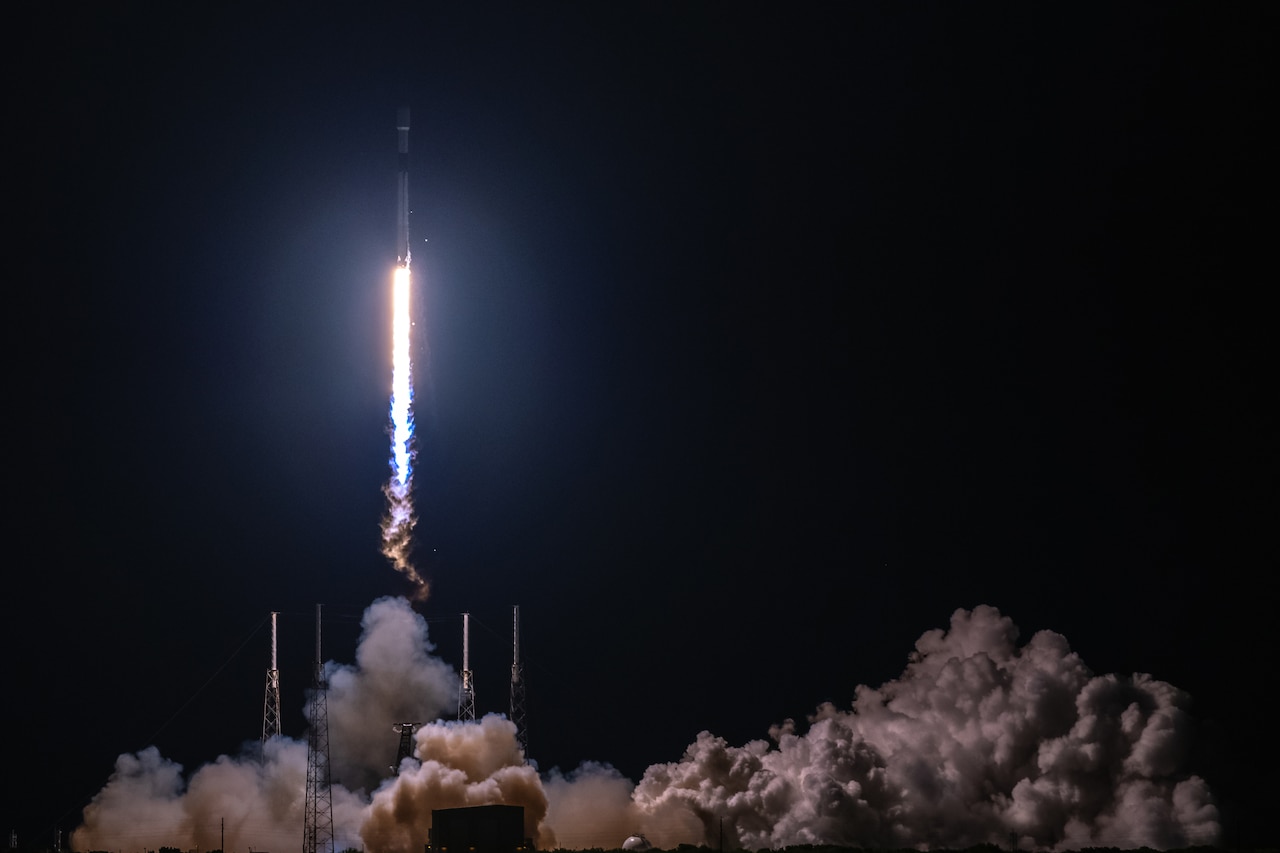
402 200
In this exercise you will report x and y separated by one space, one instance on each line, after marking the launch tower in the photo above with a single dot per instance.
517 685
317 830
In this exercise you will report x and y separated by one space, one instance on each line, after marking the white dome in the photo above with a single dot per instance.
636 842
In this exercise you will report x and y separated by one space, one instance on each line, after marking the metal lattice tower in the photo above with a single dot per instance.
517 685
467 695
405 750
271 702
317 830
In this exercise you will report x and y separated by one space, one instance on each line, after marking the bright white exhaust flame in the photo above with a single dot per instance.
397 525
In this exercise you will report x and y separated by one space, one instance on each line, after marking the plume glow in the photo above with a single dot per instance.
398 523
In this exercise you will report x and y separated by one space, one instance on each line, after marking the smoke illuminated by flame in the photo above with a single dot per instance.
397 525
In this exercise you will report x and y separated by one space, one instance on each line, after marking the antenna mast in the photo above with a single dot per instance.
317 830
517 684
271 701
467 696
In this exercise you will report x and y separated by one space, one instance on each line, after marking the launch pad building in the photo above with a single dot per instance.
478 829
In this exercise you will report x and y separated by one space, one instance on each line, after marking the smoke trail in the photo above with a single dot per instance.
399 521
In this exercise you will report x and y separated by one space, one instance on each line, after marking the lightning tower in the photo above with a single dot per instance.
317 830
467 695
271 701
517 684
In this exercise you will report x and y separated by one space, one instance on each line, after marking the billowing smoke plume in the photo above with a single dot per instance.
979 739
395 679
254 801
257 797
459 764
593 807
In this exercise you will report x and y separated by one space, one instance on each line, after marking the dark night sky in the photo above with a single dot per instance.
756 343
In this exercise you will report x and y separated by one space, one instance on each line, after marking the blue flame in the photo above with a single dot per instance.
398 525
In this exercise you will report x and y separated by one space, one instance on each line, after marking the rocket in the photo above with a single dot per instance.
402 209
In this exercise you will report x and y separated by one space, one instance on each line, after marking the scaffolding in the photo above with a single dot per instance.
271 701
517 685
317 831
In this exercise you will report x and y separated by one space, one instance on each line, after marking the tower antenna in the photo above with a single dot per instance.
517 684
271 701
466 696
317 830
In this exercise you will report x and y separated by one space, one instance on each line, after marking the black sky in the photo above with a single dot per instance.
756 343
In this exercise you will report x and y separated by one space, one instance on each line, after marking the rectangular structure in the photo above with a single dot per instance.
478 829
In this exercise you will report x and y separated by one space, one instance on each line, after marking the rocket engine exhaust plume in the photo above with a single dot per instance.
399 521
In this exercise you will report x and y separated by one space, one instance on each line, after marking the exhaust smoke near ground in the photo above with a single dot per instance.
980 740
458 764
255 799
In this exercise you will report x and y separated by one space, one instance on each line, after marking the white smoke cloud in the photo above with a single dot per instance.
979 739
459 764
395 679
976 740
257 798
590 807
254 801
